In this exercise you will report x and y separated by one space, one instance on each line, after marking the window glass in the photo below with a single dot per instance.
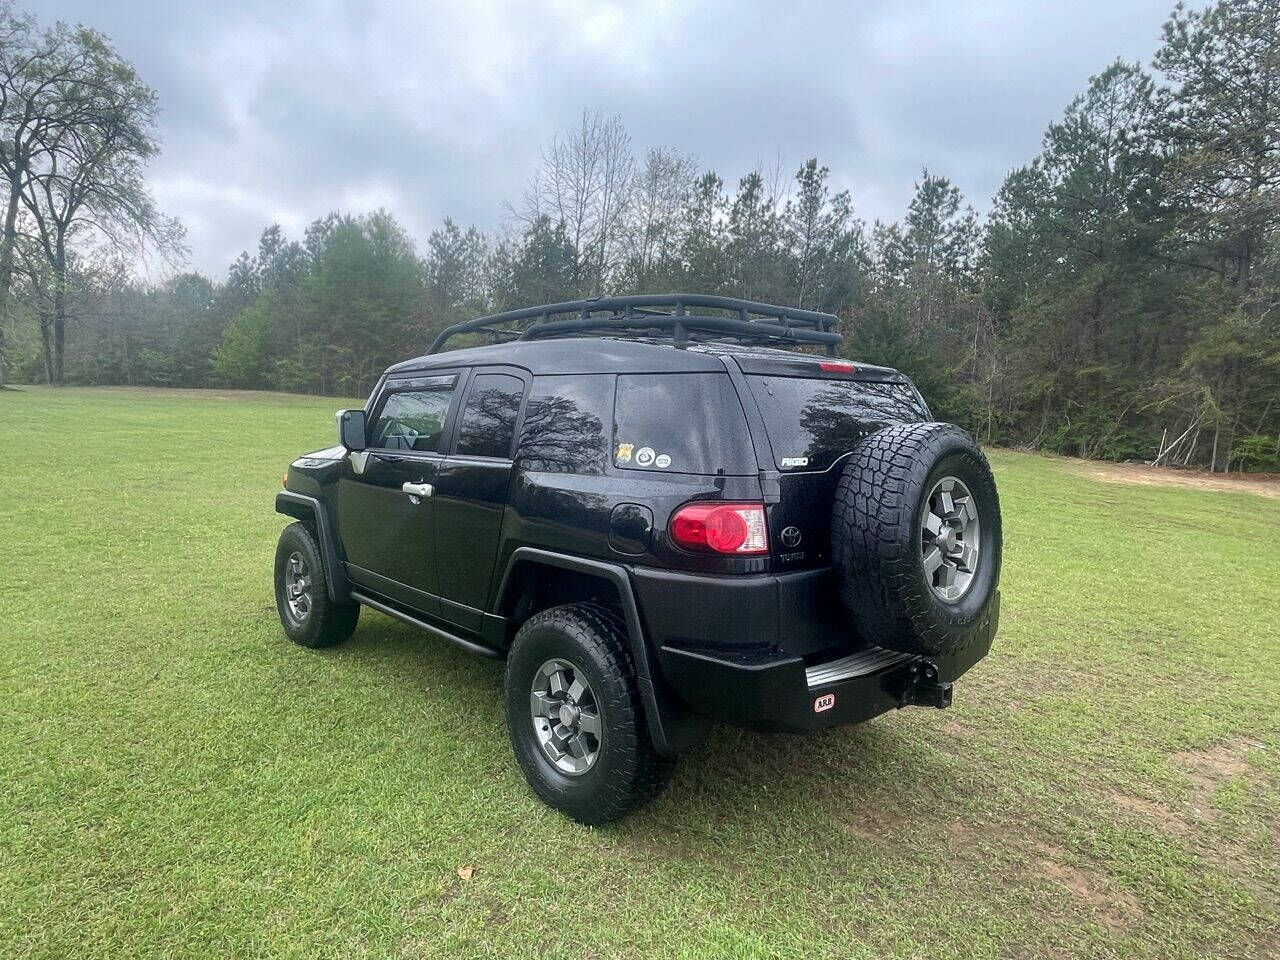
681 423
564 424
489 420
818 420
413 419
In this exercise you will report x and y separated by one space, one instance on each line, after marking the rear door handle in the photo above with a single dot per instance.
416 490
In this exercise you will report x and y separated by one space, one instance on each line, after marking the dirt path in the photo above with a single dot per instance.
1266 485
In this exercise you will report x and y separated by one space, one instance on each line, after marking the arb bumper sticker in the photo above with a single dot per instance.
824 702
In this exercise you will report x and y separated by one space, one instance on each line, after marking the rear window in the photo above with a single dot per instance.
813 422
562 430
680 423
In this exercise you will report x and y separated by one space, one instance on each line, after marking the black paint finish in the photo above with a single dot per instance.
630 529
533 482
385 532
470 501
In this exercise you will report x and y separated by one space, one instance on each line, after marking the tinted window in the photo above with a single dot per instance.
413 419
682 423
819 420
564 424
488 422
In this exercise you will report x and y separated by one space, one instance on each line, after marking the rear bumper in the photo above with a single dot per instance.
795 614
785 694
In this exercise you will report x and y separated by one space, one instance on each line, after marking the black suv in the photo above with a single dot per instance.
659 519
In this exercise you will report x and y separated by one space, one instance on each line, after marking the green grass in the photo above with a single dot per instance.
177 779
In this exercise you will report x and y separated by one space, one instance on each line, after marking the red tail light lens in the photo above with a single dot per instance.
732 528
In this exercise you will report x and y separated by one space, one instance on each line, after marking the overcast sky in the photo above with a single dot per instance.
281 112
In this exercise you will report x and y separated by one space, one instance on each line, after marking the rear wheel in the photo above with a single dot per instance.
575 717
915 531
307 613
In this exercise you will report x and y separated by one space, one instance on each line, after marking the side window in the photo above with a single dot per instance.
489 419
681 422
414 419
563 430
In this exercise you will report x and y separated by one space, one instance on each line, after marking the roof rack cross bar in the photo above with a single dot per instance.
748 330
636 313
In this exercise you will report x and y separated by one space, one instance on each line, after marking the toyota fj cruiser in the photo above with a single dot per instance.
659 519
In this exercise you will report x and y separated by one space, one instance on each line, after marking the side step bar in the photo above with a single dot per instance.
469 645
871 660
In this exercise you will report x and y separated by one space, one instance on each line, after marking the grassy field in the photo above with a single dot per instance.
177 779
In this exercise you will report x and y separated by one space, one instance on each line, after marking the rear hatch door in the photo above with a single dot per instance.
814 410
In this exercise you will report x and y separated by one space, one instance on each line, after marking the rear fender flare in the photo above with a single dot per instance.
672 726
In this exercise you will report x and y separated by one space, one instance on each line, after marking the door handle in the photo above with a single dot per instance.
415 490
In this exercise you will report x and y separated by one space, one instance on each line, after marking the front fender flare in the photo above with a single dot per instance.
301 507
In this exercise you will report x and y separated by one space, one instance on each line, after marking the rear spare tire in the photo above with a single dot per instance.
915 533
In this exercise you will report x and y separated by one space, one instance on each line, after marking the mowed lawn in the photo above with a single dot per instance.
177 779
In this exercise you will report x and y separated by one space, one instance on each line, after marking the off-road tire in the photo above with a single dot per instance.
627 772
328 622
875 531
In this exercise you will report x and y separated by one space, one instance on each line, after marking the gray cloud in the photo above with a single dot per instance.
276 112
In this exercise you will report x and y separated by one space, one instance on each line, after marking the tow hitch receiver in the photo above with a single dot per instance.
917 686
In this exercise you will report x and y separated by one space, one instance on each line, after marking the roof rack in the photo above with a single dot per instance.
662 315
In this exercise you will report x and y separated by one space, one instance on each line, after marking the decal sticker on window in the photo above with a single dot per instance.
624 452
645 456
662 462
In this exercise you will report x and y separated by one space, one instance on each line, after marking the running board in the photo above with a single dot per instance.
469 645
871 660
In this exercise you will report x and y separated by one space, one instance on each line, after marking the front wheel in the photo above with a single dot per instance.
307 614
575 717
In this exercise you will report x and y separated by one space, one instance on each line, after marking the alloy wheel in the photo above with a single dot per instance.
950 539
566 716
297 587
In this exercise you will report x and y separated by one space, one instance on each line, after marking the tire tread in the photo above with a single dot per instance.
331 622
638 773
874 538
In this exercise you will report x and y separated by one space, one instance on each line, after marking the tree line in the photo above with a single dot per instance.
1117 301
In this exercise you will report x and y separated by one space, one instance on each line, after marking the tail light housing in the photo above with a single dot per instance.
731 529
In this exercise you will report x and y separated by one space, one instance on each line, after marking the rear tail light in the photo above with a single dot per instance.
837 366
731 528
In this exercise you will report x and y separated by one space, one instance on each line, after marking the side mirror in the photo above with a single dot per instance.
351 429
